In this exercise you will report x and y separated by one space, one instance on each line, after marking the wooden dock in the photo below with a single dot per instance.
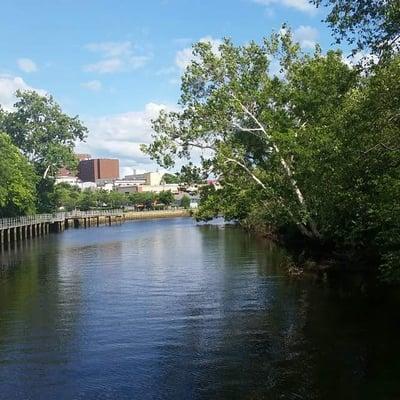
13 230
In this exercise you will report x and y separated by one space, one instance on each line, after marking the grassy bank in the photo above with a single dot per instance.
133 215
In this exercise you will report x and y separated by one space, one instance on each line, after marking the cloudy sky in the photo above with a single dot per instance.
117 63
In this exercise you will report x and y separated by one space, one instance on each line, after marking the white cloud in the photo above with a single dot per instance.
111 49
182 41
8 86
166 71
174 81
120 136
184 57
360 58
306 36
94 86
115 57
301 5
27 65
105 66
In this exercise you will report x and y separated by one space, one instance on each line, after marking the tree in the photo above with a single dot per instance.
366 207
17 181
185 201
117 199
315 148
369 25
166 197
144 200
248 122
44 134
191 174
86 200
65 196
171 178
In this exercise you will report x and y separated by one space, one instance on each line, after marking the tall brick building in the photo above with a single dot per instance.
98 168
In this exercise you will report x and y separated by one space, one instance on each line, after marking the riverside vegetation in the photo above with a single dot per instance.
307 151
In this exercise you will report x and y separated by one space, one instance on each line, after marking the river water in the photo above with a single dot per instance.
167 309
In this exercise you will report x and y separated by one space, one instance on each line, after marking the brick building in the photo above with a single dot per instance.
98 168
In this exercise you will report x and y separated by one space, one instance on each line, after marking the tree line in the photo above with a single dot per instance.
67 197
36 139
310 150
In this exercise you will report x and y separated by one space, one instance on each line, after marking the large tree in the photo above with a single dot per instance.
314 146
46 136
17 181
43 132
249 122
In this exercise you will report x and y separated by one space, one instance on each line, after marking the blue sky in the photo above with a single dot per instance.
115 63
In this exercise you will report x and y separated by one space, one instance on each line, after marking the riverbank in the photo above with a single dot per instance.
316 258
133 215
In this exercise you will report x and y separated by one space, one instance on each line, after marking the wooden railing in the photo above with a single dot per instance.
51 218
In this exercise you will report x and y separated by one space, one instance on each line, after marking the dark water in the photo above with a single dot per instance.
166 309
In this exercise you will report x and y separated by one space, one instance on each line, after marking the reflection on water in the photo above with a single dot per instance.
166 309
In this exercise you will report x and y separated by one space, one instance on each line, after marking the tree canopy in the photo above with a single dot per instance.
312 148
43 132
368 25
46 137
17 178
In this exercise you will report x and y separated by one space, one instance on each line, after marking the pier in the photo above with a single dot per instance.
13 230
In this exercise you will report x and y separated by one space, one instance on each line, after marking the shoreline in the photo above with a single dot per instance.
135 215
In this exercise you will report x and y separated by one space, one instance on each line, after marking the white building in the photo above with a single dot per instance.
71 180
174 188
148 178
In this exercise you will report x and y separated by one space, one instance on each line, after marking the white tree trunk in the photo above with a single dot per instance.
284 164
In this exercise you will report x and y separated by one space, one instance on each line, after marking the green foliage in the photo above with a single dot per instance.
315 149
46 200
46 137
86 200
171 178
44 134
368 24
248 122
65 196
17 181
166 197
191 174
145 200
185 201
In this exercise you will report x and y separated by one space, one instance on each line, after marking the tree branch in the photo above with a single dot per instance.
243 166
386 147
284 164
46 172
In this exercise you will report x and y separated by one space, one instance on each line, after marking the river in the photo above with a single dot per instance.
167 309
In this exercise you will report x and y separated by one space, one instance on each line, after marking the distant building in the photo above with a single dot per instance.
148 178
98 169
147 188
127 189
174 188
69 179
